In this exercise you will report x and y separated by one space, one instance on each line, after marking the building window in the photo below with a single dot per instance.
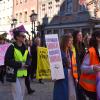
50 9
20 17
20 1
25 0
69 6
16 2
49 31
25 16
16 16
50 5
57 5
57 0
82 8
43 7
55 31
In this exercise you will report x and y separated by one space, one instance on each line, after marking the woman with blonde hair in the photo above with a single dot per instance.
64 89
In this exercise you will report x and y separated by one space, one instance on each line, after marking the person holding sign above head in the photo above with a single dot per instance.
17 61
64 89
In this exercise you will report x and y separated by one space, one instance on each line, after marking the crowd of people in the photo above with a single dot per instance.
81 63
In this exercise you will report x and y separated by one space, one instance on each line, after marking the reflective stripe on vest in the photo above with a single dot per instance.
74 67
18 57
88 81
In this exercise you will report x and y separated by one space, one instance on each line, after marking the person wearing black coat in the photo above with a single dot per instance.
18 83
36 43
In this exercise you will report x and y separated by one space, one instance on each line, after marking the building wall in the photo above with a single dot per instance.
48 8
62 19
22 11
94 8
50 12
6 9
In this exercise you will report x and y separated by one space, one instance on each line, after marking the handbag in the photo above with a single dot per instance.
10 74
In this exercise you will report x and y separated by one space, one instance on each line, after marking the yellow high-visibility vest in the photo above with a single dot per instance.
22 58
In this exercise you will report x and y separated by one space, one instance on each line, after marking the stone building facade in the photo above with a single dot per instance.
6 11
22 10
62 16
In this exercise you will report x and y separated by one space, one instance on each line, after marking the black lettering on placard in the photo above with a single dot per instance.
44 72
42 56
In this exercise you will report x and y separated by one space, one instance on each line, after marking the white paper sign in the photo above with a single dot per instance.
3 49
54 54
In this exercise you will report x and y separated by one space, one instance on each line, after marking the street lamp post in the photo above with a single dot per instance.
33 18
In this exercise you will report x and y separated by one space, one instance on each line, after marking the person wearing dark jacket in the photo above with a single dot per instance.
80 51
34 60
37 43
79 48
17 60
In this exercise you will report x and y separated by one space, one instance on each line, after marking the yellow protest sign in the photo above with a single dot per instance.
43 66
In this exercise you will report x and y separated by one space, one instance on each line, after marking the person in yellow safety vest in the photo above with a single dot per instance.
89 69
17 60
22 58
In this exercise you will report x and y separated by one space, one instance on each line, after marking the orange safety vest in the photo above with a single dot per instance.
88 81
74 67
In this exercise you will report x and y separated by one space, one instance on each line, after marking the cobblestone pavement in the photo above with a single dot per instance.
43 91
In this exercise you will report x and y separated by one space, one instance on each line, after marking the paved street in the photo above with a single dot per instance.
43 91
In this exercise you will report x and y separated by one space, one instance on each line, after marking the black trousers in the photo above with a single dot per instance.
27 81
82 94
2 74
33 68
